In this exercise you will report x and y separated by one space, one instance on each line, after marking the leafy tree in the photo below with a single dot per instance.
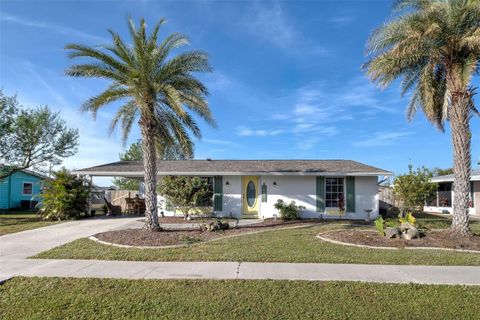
186 193
434 46
441 172
153 85
413 188
64 197
32 138
134 152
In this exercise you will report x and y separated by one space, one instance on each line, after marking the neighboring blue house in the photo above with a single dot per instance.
20 190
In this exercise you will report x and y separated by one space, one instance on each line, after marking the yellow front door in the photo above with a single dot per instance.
250 195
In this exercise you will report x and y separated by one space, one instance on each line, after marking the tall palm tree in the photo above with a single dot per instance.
153 86
434 47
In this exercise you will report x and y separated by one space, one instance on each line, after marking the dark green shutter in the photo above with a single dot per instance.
168 205
264 192
320 194
217 193
472 194
350 194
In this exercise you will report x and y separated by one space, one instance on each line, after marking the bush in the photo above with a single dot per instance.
290 211
380 226
409 218
64 197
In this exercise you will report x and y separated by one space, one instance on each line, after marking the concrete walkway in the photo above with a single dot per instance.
15 248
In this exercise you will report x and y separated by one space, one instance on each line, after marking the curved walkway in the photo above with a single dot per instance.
16 247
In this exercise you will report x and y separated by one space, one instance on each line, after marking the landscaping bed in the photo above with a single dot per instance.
143 238
432 239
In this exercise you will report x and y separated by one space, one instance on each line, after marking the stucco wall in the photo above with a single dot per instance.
302 190
232 196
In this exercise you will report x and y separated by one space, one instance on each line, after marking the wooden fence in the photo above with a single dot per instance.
387 199
117 197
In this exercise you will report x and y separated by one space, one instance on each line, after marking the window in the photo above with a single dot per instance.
334 191
27 189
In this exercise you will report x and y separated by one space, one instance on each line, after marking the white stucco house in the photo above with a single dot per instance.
442 202
250 188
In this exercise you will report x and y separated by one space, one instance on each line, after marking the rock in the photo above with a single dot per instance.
391 233
406 226
411 234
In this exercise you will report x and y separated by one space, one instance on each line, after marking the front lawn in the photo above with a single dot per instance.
21 221
68 298
294 245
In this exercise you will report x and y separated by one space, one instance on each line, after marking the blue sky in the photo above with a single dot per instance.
287 82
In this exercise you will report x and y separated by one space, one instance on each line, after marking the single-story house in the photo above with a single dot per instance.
442 202
20 190
250 188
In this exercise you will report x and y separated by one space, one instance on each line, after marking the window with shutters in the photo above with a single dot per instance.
334 191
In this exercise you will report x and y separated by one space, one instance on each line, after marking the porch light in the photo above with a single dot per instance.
227 183
274 183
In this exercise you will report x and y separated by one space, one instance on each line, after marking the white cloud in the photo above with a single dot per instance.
51 27
381 139
247 132
271 24
341 19
219 142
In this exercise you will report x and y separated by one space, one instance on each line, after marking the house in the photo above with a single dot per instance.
442 202
19 190
250 188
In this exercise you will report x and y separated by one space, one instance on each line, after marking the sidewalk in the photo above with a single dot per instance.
16 247
244 270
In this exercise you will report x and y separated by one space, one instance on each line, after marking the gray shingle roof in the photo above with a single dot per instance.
237 167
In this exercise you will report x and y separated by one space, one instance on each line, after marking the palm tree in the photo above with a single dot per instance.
153 86
434 47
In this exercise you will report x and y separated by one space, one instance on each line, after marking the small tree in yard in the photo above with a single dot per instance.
186 193
413 188
64 197
32 138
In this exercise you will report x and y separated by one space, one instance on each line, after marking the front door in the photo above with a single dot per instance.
250 195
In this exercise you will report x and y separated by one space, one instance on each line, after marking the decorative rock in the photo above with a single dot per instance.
406 226
391 233
411 233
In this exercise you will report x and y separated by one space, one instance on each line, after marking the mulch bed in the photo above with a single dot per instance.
437 239
140 237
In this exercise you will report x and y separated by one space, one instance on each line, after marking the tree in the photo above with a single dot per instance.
413 188
64 197
434 47
154 86
134 152
441 172
32 138
186 193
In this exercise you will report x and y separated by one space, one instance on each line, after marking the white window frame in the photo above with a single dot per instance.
23 188
344 191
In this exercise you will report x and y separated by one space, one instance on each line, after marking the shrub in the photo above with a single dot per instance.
186 193
290 211
64 197
409 218
380 226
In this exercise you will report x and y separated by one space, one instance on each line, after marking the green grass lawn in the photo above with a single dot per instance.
68 298
294 245
20 221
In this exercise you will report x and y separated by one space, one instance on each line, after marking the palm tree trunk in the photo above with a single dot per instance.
150 174
459 115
